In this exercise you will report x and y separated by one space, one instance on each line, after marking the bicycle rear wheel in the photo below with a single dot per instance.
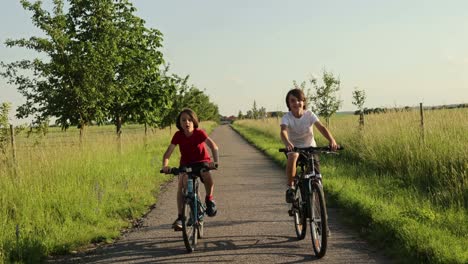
300 217
189 229
318 221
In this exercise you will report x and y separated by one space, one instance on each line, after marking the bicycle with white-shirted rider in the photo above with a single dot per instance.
296 134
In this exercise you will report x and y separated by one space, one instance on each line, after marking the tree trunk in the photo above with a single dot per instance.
82 134
361 119
118 127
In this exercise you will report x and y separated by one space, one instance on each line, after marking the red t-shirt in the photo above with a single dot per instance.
193 148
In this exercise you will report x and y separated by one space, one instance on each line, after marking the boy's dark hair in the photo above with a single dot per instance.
192 115
299 94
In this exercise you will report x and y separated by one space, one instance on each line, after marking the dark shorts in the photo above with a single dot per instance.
196 167
302 159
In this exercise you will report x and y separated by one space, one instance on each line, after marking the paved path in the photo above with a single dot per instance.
252 225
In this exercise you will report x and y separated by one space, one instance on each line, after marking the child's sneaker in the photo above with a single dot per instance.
211 208
177 225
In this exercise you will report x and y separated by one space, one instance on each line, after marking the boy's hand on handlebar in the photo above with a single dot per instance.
333 145
213 165
166 169
289 146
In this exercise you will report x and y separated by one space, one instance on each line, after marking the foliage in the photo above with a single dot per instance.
359 98
189 96
254 113
322 98
102 64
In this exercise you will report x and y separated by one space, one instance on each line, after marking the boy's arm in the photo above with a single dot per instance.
166 156
214 149
285 138
324 131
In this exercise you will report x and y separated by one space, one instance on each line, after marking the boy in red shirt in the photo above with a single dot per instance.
192 145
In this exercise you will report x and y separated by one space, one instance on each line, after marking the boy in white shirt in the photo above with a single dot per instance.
297 131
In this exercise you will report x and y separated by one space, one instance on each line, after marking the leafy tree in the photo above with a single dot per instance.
261 112
249 114
68 84
254 110
153 101
239 115
138 91
322 98
188 96
359 98
99 58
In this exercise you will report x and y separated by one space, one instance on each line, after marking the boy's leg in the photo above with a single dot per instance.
208 182
291 172
291 167
211 209
177 225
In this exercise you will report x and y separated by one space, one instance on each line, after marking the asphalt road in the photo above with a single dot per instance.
252 225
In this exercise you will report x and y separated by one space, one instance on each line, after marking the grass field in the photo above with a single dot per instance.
64 195
405 193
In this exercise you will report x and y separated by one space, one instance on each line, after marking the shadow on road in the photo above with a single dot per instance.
172 250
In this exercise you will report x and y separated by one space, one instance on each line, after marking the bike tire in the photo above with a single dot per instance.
300 215
318 221
189 229
201 223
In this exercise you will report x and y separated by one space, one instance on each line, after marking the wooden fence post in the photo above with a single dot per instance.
421 113
13 143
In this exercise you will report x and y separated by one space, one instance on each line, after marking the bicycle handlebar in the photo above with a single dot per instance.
177 170
311 149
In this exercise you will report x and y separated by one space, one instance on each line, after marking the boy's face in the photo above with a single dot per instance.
186 122
295 104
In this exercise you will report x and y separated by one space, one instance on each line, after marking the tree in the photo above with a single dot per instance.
153 101
139 91
254 110
239 115
261 112
323 100
359 98
189 96
100 58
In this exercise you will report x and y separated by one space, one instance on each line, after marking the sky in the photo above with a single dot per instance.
401 53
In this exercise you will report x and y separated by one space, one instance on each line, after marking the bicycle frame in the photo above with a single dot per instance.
307 177
193 208
192 197
312 205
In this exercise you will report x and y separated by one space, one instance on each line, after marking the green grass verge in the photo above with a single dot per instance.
62 198
384 210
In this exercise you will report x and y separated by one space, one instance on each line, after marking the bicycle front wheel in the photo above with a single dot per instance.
318 221
189 229
201 215
300 217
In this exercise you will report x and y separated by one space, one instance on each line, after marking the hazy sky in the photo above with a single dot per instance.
400 52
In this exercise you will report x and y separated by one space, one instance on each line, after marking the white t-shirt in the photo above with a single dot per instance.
300 130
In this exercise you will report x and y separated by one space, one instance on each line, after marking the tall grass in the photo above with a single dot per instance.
390 207
64 194
433 161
